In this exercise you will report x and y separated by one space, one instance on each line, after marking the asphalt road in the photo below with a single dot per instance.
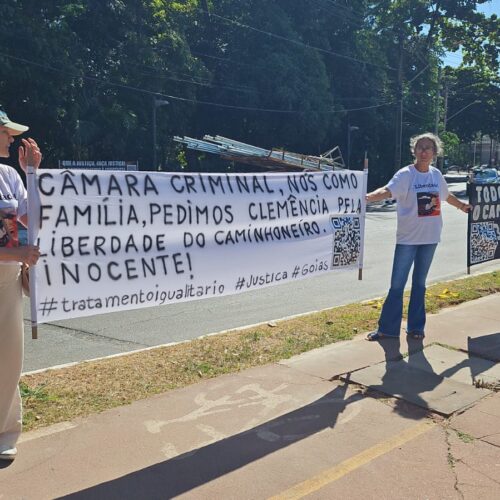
87 338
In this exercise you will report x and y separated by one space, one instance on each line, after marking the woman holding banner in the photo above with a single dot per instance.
13 208
418 190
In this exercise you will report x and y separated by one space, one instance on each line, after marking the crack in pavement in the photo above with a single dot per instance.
452 460
491 444
489 435
478 471
475 437
72 332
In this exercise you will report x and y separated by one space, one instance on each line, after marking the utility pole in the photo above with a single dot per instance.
480 148
445 106
438 100
399 115
440 164
156 104
348 142
350 129
154 133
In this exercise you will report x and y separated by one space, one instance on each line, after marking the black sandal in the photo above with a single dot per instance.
375 336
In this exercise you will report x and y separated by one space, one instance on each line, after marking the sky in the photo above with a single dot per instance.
493 7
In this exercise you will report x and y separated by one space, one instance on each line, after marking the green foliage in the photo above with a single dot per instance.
452 148
450 141
474 101
39 393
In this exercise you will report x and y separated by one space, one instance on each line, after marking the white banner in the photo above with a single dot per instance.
112 241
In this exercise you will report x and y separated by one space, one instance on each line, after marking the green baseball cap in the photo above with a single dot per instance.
15 128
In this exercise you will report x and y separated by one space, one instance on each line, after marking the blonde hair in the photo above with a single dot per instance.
438 144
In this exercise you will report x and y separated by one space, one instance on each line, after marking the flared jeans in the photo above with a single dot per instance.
420 256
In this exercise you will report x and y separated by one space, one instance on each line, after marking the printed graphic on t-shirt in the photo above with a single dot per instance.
428 204
8 228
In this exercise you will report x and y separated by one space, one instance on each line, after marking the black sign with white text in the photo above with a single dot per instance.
483 232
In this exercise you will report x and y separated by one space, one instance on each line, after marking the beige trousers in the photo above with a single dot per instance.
11 353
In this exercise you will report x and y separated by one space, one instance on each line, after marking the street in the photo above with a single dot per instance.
97 336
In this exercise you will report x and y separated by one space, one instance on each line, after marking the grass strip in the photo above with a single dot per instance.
61 395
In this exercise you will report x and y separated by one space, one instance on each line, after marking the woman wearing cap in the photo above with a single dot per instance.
13 207
418 190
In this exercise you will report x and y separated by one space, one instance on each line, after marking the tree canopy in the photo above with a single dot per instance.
86 75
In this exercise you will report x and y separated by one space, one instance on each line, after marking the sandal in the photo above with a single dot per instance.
375 336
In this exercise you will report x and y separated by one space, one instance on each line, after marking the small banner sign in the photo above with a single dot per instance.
483 232
99 164
112 241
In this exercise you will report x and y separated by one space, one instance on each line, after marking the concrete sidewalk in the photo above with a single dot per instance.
412 427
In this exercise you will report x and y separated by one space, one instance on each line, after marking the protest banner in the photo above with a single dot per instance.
483 231
112 241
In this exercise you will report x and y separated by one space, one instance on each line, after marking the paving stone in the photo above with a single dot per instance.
394 476
477 468
342 357
474 328
456 365
423 388
491 405
482 421
247 435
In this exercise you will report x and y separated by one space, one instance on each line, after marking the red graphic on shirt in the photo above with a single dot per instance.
428 204
8 228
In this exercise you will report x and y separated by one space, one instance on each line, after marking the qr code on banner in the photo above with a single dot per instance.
346 240
484 240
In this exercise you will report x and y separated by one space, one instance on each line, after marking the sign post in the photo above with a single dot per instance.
33 224
363 215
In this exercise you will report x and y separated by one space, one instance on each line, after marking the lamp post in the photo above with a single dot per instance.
350 128
156 104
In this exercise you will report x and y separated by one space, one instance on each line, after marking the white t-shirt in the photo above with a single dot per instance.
13 204
419 197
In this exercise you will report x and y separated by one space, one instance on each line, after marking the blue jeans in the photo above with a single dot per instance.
404 256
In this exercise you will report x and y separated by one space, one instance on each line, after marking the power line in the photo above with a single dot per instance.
418 74
295 42
206 83
415 114
185 99
352 98
229 61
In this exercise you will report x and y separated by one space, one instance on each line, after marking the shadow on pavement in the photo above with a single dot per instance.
195 468
401 377
484 353
487 347
412 379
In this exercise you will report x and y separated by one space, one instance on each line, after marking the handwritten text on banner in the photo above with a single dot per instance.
113 241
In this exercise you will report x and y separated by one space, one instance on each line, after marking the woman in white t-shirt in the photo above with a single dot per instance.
419 190
13 207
